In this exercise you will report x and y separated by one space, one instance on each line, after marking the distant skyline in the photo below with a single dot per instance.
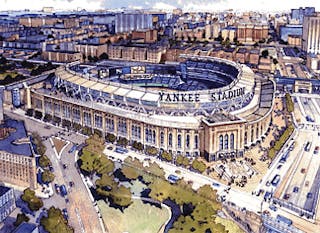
187 5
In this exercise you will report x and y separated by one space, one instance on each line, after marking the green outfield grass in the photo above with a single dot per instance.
137 218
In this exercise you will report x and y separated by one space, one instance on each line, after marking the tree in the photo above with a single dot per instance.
103 56
106 181
137 145
166 156
76 126
198 165
121 196
97 132
265 53
55 222
47 176
111 137
150 150
207 192
56 120
44 161
34 203
40 147
47 118
130 172
22 217
275 61
181 160
50 36
87 131
30 112
122 142
289 103
27 65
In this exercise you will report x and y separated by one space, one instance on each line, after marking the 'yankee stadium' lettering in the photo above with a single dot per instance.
179 97
195 97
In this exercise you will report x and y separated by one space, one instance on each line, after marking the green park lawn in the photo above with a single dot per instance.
137 218
230 226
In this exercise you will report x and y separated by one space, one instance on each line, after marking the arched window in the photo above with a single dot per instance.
226 142
232 141
196 142
221 142
188 141
245 138
150 135
252 134
179 141
154 137
257 132
170 139
162 138
147 135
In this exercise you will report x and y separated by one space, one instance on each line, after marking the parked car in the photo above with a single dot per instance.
121 150
286 196
73 148
71 183
65 213
296 189
57 188
273 207
63 190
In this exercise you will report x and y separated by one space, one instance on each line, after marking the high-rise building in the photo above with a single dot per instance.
17 163
311 34
127 22
7 202
298 14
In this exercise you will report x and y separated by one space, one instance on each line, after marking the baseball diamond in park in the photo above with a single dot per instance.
200 106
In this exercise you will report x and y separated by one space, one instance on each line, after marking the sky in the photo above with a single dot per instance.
187 5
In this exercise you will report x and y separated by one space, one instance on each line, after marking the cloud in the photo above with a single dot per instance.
163 6
203 5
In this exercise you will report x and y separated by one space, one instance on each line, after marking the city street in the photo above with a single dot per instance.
82 213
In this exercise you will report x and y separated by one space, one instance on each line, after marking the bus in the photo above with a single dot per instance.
283 219
307 147
214 184
275 180
284 157
63 190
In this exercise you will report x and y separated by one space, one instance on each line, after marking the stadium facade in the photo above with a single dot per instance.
201 106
